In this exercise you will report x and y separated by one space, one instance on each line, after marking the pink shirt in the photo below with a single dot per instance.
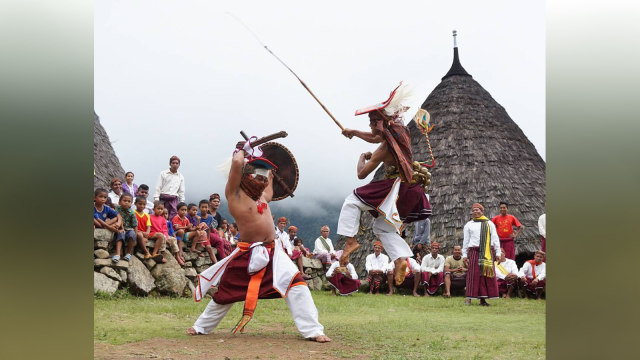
158 225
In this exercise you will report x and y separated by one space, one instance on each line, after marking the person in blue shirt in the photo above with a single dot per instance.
104 217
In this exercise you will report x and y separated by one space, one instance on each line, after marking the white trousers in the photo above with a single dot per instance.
349 220
299 301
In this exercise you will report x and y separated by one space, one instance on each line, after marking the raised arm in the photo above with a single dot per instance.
235 174
268 191
366 136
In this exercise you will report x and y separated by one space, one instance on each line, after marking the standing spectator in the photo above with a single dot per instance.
104 217
533 274
542 228
283 236
343 277
455 272
116 191
507 273
480 246
422 233
376 265
504 225
432 269
170 187
128 186
323 248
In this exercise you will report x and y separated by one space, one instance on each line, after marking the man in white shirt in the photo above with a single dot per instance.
412 278
507 273
533 275
542 228
376 264
283 236
170 187
480 247
343 277
432 269
323 248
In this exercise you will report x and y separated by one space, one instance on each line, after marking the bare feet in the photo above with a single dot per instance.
400 270
426 294
350 246
321 339
416 294
446 295
192 331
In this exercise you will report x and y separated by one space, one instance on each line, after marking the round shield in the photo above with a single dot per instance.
285 179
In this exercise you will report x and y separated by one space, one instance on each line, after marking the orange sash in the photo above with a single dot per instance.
533 268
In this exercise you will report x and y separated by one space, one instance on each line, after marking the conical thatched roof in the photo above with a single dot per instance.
105 162
481 156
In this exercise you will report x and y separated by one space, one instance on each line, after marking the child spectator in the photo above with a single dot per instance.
159 231
127 230
116 191
104 217
299 251
206 219
185 230
144 225
143 190
171 239
128 186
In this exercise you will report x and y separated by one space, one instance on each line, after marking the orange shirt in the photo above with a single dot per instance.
505 224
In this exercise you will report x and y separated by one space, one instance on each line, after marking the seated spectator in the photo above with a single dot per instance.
455 272
104 217
293 234
213 240
128 186
283 236
417 250
200 229
144 225
507 274
323 248
376 265
235 235
343 278
143 191
183 228
533 274
299 251
432 269
411 280
127 231
171 239
116 191
159 231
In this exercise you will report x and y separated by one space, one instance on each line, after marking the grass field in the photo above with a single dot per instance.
362 325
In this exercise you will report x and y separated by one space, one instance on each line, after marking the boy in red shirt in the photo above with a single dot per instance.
504 226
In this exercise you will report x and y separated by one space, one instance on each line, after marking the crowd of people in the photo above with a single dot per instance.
170 222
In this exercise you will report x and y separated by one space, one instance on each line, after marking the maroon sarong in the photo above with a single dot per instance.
541 285
223 246
412 202
375 281
170 203
458 282
479 286
434 283
344 284
544 244
408 281
503 284
509 248
235 281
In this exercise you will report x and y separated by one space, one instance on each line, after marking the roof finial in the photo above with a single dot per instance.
456 67
455 44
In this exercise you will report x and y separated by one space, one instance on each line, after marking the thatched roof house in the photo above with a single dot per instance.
481 156
105 162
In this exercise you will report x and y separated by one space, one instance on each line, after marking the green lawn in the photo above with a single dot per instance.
397 327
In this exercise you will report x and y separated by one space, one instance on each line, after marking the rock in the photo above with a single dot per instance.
151 244
202 268
101 245
123 275
101 254
122 264
149 263
199 262
103 283
317 283
102 235
189 256
169 277
188 264
364 286
190 273
98 263
110 273
189 289
139 278
311 263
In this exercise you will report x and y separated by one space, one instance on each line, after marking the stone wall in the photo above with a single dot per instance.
146 277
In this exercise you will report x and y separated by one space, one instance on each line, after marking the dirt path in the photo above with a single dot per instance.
219 345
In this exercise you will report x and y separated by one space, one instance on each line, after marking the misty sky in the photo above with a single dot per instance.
184 77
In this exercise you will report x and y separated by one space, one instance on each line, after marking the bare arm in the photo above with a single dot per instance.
366 167
235 174
366 136
518 231
268 191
